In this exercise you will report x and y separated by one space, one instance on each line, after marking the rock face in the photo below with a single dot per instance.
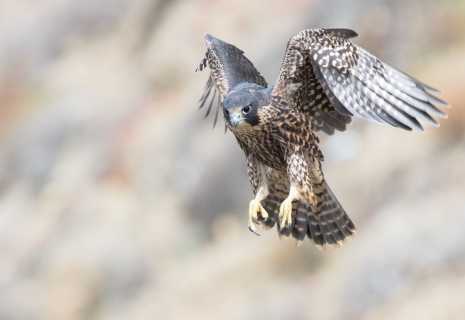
119 202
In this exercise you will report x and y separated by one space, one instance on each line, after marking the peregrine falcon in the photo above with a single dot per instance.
324 80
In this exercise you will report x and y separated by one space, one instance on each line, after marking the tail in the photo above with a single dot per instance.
327 223
331 225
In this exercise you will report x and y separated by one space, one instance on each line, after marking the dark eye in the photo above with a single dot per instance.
227 112
246 109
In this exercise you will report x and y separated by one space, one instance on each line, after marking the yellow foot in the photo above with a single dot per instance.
285 213
254 208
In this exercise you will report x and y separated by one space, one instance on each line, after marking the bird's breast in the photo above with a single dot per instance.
266 148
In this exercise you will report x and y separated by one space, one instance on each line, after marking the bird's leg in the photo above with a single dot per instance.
285 211
255 207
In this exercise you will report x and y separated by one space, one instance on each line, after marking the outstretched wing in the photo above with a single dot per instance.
228 68
329 79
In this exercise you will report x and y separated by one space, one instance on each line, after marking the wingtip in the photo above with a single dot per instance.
214 42
428 88
436 100
210 38
442 103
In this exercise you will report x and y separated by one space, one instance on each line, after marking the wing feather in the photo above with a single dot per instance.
228 68
353 80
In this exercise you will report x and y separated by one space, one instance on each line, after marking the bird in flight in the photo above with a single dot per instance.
325 80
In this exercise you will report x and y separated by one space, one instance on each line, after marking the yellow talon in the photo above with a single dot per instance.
285 213
254 208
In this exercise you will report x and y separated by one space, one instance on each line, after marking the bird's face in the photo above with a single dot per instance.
241 108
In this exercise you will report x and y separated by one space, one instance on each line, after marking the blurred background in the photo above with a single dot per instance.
118 201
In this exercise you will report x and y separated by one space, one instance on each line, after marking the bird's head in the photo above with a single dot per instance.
241 106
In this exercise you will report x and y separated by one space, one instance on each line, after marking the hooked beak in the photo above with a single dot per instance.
236 119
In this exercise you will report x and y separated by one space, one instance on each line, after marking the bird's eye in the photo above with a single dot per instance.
246 109
227 112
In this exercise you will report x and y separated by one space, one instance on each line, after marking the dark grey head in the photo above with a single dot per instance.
241 105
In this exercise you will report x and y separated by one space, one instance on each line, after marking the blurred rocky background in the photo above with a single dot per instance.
118 201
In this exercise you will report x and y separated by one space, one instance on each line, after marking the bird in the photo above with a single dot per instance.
325 79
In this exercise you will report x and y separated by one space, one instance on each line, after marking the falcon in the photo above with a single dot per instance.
325 80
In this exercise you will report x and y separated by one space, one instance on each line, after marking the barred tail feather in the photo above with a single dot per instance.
271 205
301 225
334 222
330 225
314 232
342 220
278 186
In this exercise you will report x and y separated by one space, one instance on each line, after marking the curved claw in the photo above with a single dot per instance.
254 231
265 219
254 208
279 226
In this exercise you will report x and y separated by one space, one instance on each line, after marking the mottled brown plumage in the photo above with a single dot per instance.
324 80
